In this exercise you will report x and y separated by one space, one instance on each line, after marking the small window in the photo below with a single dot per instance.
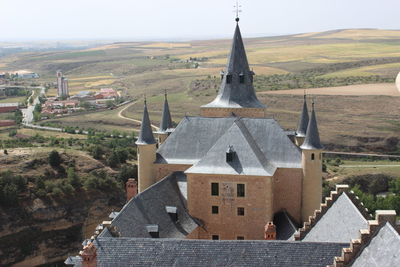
240 190
229 78
214 209
215 237
240 238
241 78
240 211
312 156
214 189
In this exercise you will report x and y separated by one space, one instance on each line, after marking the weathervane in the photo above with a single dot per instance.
237 10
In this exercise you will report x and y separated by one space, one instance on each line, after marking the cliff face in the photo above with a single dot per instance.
42 232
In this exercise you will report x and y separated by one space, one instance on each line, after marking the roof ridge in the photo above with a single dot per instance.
324 207
253 144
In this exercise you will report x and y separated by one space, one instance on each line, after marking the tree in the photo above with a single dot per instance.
113 160
97 152
54 159
73 178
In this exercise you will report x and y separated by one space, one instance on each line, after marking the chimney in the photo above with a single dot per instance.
131 189
172 212
88 255
152 229
270 231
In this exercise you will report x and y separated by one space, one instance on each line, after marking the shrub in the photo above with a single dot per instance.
54 159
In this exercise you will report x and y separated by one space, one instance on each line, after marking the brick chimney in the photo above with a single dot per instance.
88 255
270 231
131 189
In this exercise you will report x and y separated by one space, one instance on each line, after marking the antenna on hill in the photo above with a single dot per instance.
237 10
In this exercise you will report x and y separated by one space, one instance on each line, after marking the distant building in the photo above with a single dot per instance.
8 107
62 85
30 75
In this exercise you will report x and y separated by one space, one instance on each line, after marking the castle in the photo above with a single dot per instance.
240 166
234 176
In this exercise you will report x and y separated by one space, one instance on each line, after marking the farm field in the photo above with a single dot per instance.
349 72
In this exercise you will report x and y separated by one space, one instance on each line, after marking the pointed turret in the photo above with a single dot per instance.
312 141
166 121
303 124
146 152
146 134
236 92
312 169
166 126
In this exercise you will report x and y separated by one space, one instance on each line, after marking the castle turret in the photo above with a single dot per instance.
236 94
166 122
146 152
312 169
303 124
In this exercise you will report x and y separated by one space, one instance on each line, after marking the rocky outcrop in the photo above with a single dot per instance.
40 232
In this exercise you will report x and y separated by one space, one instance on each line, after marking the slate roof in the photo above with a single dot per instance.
248 159
285 226
146 134
187 253
236 94
341 223
382 251
312 140
303 122
166 121
196 138
149 208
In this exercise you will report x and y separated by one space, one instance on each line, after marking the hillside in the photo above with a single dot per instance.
189 71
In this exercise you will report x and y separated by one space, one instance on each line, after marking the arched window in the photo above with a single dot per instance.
312 156
241 78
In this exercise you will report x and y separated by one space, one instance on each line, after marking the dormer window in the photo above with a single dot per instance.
229 78
252 76
241 77
230 153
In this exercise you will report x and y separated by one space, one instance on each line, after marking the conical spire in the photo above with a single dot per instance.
146 134
303 123
166 121
312 140
237 84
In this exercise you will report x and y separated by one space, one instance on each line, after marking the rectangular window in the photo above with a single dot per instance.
240 190
214 209
240 211
214 189
215 237
240 238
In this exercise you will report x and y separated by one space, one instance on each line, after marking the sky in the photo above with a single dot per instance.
186 19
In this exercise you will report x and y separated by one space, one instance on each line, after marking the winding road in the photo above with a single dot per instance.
134 120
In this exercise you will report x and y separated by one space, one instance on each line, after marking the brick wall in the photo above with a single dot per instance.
257 204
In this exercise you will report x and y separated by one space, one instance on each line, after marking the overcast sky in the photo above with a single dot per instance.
186 19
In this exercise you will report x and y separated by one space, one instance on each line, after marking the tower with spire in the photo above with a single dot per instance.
146 152
232 157
166 126
312 168
303 124
236 94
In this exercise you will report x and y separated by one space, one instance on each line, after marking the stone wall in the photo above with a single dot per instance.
257 203
287 188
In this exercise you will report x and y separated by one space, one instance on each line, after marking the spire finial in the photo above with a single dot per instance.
313 102
165 93
145 99
237 10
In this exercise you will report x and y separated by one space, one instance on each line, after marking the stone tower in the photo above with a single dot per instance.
146 152
312 169
303 124
166 123
236 94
